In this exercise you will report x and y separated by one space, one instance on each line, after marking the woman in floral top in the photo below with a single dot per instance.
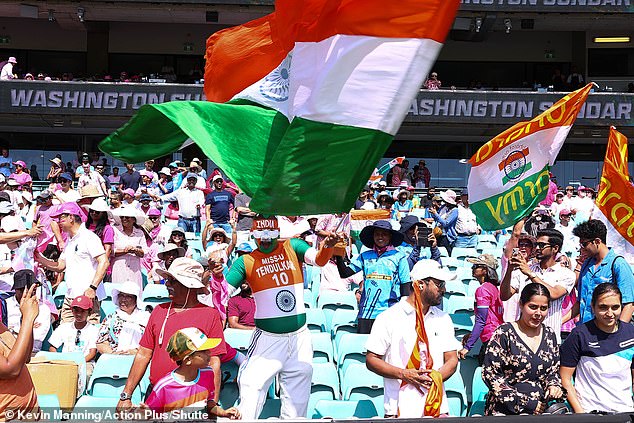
521 364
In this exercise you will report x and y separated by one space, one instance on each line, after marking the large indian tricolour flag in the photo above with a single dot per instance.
510 173
302 103
614 204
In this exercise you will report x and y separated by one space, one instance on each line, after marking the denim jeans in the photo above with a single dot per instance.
466 241
189 225
225 226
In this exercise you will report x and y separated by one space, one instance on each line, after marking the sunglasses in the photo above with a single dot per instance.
177 234
542 245
478 266
155 217
584 244
95 212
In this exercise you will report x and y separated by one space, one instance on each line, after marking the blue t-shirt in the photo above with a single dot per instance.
219 202
603 362
382 279
590 277
8 167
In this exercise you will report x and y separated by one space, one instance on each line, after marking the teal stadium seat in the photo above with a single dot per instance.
456 395
324 385
60 293
361 409
458 304
155 293
351 348
359 383
343 321
463 254
329 301
107 308
322 347
50 405
462 324
316 320
109 377
452 263
239 339
479 391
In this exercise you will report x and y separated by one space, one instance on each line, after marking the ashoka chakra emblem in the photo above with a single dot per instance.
276 85
285 301
515 165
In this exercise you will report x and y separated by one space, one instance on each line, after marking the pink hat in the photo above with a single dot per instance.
565 212
153 212
67 208
20 163
12 60
129 191
581 188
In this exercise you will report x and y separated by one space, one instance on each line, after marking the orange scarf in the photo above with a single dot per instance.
434 396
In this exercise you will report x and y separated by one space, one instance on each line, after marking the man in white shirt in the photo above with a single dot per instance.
91 177
7 70
83 259
190 202
466 225
547 271
393 338
292 226
23 280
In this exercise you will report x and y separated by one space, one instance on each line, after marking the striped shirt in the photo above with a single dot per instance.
553 276
171 394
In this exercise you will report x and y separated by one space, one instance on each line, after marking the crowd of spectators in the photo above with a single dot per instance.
105 233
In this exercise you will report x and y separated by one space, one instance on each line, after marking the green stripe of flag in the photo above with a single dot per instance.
505 209
304 167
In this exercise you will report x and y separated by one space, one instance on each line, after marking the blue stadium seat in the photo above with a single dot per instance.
443 252
456 395
271 408
464 253
495 252
464 275
155 293
471 288
351 347
87 404
458 304
239 339
324 385
109 377
454 288
329 301
50 405
308 299
107 308
316 320
452 263
343 321
479 391
467 368
487 241
322 347
362 409
462 324
107 287
60 293
359 383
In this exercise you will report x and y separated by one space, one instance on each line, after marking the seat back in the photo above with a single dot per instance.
60 294
110 375
155 293
351 347
316 320
463 253
239 339
362 409
479 391
458 304
322 347
456 395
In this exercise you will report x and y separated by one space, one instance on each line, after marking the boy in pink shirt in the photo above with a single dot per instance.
190 387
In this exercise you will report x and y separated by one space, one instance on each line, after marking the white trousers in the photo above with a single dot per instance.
291 356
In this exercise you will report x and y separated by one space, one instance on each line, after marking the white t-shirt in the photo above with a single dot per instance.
66 334
553 276
43 321
395 342
80 256
6 279
466 223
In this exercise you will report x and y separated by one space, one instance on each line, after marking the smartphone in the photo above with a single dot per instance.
423 234
516 251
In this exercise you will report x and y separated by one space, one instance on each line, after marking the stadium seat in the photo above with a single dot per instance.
87 404
354 250
308 275
50 405
109 377
467 368
479 391
316 320
351 347
462 324
308 299
107 308
343 321
107 287
487 241
471 288
329 301
443 252
239 339
464 274
155 293
359 383
495 252
458 304
454 288
361 409
464 253
456 395
324 385
60 293
452 263
322 348
229 395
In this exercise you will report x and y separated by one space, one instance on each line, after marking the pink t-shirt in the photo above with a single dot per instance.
488 295
171 394
22 178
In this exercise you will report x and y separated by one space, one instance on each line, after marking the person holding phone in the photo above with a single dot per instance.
418 241
22 281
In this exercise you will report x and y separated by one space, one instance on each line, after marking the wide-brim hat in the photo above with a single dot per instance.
127 287
449 196
100 205
12 60
57 161
171 247
407 222
221 231
186 271
367 234
127 211
487 260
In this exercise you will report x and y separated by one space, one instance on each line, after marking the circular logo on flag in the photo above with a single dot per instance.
285 301
276 84
514 165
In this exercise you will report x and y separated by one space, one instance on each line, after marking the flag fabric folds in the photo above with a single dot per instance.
614 204
510 173
378 174
302 102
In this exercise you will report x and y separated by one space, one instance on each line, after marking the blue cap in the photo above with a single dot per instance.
66 176
145 197
191 175
245 247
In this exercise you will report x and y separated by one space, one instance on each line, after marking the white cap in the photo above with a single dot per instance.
430 269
